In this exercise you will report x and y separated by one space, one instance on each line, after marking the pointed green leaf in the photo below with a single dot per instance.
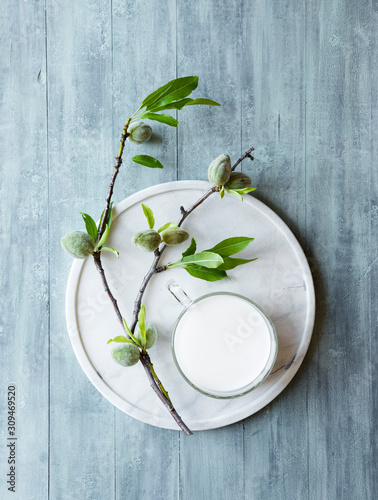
104 237
183 102
167 119
204 259
147 161
245 190
90 225
110 249
125 326
173 105
205 274
231 246
231 263
121 338
191 249
142 323
149 215
128 331
235 192
168 225
109 218
171 91
221 193
205 102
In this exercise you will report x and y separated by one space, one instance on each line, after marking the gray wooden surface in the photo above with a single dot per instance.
297 80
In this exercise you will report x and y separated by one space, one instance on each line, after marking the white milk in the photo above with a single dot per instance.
222 343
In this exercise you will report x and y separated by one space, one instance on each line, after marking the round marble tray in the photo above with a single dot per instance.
279 281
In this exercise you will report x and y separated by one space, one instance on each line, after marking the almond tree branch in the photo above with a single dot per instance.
158 253
117 166
145 359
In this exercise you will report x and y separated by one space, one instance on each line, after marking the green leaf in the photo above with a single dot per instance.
204 259
90 225
245 190
167 119
120 338
173 105
205 102
239 192
104 237
109 217
184 102
231 263
149 215
235 192
205 274
171 91
168 225
147 161
191 248
128 331
230 246
142 324
221 193
110 249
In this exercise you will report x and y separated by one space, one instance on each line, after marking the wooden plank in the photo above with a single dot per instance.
24 307
371 272
81 154
273 121
209 45
339 211
144 58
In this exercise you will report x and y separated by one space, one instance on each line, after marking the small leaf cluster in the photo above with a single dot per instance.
212 264
172 95
128 354
149 240
93 229
79 244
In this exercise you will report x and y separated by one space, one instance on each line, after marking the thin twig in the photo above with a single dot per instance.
158 253
117 166
247 154
145 359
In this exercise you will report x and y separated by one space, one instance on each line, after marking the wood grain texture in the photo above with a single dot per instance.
273 120
209 45
338 159
24 277
80 152
297 80
144 58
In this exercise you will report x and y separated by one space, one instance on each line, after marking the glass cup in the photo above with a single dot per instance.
223 344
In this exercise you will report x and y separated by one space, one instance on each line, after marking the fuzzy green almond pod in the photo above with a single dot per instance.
148 240
139 132
238 180
126 355
219 170
78 244
172 237
151 335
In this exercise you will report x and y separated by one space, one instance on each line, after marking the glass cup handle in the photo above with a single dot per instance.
178 293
